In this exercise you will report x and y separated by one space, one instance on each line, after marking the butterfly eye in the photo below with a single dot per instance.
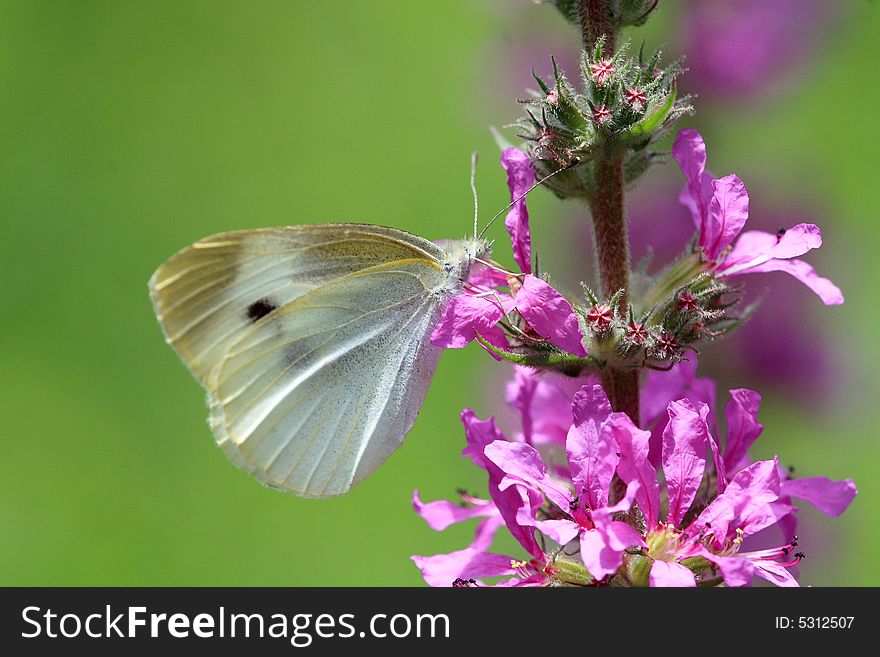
447 267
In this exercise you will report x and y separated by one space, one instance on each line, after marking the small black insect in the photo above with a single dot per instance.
460 583
259 309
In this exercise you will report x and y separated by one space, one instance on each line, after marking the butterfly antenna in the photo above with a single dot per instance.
474 157
568 166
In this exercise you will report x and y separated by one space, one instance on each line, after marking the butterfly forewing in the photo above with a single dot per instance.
312 342
207 295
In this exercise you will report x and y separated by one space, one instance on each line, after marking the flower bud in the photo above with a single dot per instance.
601 71
600 318
620 109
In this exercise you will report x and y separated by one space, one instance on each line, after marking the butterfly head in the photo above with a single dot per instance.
460 258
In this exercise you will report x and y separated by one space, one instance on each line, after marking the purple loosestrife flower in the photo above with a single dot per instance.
713 536
520 486
795 357
592 458
720 208
484 302
564 516
743 429
685 438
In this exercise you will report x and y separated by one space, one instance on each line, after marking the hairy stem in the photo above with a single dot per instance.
609 221
622 388
612 249
609 226
595 18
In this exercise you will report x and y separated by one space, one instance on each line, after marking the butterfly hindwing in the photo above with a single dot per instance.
315 398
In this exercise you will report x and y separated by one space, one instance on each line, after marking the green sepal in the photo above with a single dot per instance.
540 82
571 572
556 359
637 568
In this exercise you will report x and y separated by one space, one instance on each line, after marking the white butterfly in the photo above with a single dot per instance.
312 342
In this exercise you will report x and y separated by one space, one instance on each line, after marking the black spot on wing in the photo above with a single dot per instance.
259 309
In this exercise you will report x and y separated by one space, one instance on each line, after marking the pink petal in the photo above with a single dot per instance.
775 573
755 246
743 428
758 252
551 315
485 532
599 559
444 569
701 393
546 398
624 504
830 497
634 466
520 178
661 388
619 535
533 580
720 470
827 291
684 457
442 513
520 395
602 548
736 571
728 212
473 562
486 278
680 382
602 552
788 522
746 503
522 463
561 531
465 314
671 574
690 152
783 514
480 434
591 451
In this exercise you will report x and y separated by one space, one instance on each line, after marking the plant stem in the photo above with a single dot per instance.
596 22
609 220
609 226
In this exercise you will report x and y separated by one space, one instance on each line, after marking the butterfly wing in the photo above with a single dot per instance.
324 392
207 295
312 388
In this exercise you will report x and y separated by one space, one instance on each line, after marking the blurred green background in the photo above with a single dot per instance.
130 129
